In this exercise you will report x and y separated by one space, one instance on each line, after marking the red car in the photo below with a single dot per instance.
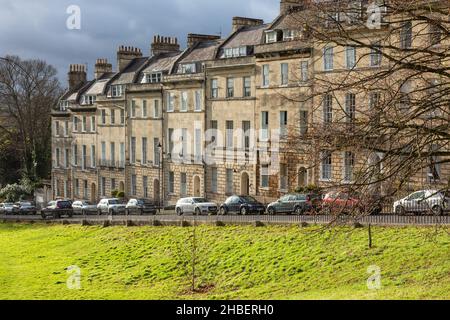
340 202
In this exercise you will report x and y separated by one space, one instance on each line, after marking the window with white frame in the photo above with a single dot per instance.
133 109
265 176
350 57
155 77
113 117
112 150
376 55
304 126
264 125
88 100
288 35
214 88
103 186
83 157
93 124
265 75
144 109
66 158
284 74
156 112
170 102
103 114
184 101
271 36
283 177
145 186
229 135
304 71
133 149
328 58
63 105
75 124
122 155
283 123
349 163
188 68
144 151
75 155
198 100
156 152
93 159
328 108
247 87
116 91
66 128
350 107
133 184
406 35
198 145
56 128
326 165
171 182
103 159
230 87
57 158
122 116
84 124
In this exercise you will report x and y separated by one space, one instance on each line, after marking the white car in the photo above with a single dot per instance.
196 206
425 201
111 207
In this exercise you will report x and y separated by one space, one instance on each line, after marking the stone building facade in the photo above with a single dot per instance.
210 121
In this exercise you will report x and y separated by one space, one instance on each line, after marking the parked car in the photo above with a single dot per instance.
84 207
340 202
292 203
25 208
242 205
58 209
111 207
196 206
140 206
8 208
422 202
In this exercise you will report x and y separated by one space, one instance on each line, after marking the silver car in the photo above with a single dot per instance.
84 207
422 202
8 208
111 207
196 206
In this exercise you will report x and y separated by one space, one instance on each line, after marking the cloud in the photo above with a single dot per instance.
37 29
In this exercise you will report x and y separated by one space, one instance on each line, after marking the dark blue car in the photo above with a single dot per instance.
243 205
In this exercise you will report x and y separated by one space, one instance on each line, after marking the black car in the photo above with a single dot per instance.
57 209
242 205
25 208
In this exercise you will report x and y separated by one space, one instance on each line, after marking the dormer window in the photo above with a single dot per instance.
235 52
88 100
116 91
63 105
271 37
187 68
288 35
155 77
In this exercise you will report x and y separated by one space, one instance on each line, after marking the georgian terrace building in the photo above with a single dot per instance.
211 120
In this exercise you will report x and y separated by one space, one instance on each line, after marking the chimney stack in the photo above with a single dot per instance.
164 45
76 75
239 22
196 38
101 67
286 5
125 55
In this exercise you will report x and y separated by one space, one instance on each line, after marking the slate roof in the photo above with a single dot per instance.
202 51
247 36
129 73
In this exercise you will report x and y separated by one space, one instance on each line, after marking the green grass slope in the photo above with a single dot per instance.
232 262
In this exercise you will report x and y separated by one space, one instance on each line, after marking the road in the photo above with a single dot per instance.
172 219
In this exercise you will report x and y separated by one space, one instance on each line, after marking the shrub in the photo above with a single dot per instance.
121 195
115 193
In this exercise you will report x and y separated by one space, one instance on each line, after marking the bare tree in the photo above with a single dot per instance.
28 91
380 94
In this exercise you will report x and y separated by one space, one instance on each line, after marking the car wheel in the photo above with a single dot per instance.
43 216
244 211
298 211
198 212
437 211
400 210
110 212
142 212
223 211
271 211
179 212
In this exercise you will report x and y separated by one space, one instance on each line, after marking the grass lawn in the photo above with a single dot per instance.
232 262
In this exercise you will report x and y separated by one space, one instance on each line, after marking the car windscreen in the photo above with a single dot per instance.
114 202
200 200
249 199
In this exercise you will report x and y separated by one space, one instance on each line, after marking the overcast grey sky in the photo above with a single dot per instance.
37 29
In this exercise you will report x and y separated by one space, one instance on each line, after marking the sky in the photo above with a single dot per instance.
38 29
